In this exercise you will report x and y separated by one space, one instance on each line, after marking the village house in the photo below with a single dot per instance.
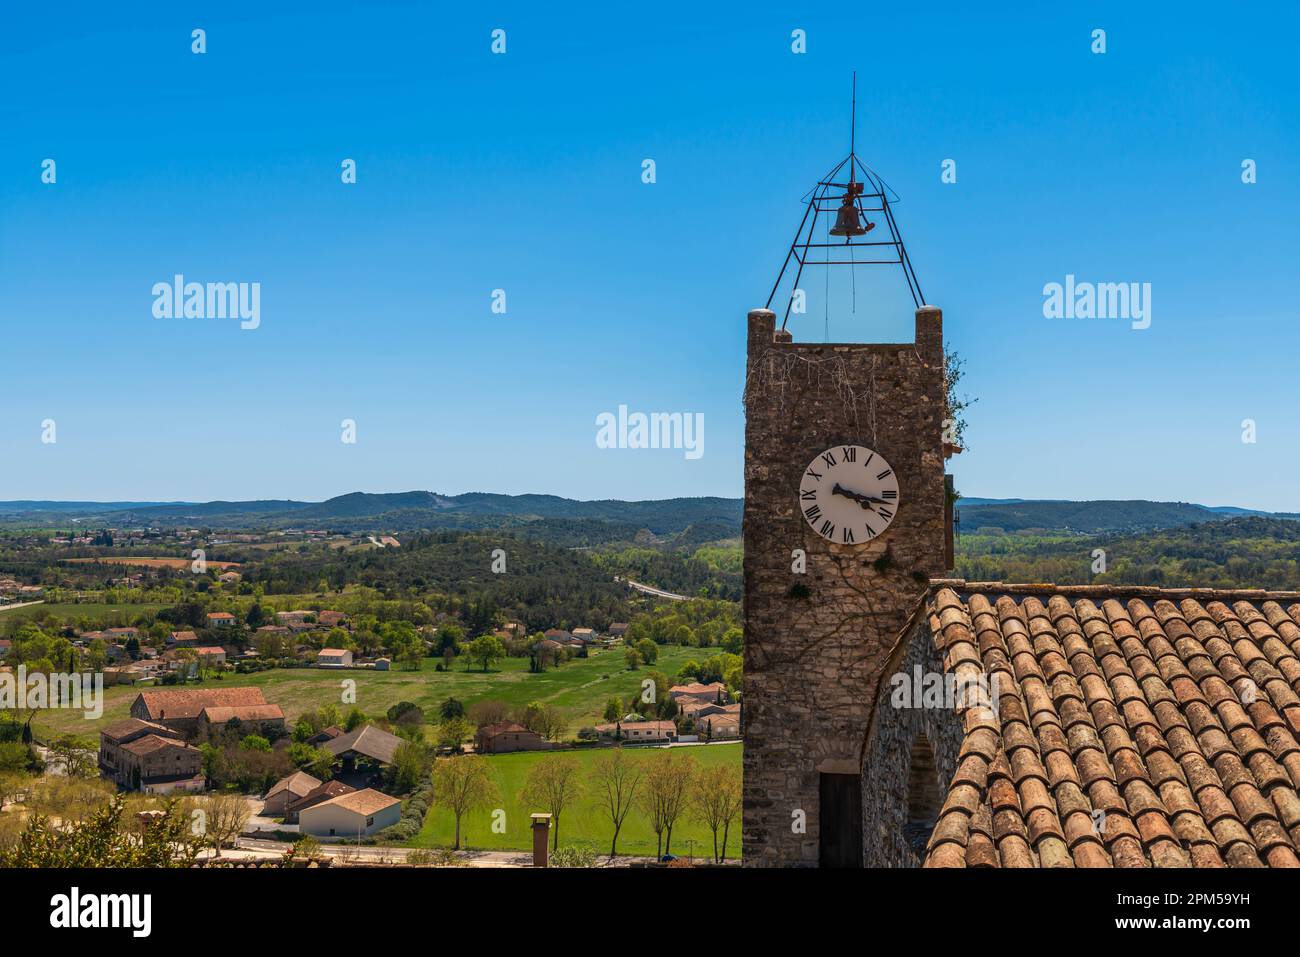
182 639
220 619
183 711
712 727
364 745
586 636
122 634
288 789
715 691
617 629
353 815
322 792
145 756
332 619
506 736
558 634
334 658
635 732
5 646
211 656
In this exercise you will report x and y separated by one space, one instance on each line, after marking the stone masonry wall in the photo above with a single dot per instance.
886 768
812 663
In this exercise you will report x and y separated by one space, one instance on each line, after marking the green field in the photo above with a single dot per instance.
586 820
579 688
93 610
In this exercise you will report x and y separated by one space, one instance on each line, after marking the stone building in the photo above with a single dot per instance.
822 616
143 756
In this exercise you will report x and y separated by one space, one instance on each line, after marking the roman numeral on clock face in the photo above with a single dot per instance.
850 453
847 535
827 530
829 459
813 512
885 474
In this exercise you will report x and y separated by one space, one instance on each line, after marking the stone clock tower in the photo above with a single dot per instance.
837 557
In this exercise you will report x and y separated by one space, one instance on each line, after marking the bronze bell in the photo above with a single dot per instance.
848 222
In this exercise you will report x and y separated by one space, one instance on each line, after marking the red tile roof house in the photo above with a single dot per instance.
639 731
334 658
182 638
288 789
507 736
1091 726
180 710
352 815
332 619
323 792
5 646
144 756
221 619
713 692
211 655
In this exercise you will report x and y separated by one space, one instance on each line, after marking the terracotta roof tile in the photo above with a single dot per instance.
1135 727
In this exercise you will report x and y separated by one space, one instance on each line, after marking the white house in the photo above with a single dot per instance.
334 658
356 814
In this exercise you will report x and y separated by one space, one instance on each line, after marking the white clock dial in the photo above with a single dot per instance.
848 494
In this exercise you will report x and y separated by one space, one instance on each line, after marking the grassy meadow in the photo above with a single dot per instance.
587 820
578 688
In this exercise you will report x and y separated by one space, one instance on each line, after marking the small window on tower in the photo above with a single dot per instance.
922 795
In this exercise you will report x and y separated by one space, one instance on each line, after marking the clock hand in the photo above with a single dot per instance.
863 500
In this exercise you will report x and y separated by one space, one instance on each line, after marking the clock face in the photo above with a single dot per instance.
848 494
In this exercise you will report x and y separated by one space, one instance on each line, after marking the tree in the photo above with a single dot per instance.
633 659
103 841
648 651
462 784
224 818
453 732
406 714
664 795
409 766
613 710
616 776
553 784
73 760
486 650
716 801
451 708
544 718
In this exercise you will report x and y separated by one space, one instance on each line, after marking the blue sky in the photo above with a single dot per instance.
523 172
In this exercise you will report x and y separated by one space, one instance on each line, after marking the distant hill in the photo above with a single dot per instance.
584 522
576 523
1092 518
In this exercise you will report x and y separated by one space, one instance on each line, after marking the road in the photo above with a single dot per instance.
21 604
651 590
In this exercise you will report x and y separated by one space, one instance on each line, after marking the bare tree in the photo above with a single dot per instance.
461 784
553 784
616 777
224 818
716 801
664 798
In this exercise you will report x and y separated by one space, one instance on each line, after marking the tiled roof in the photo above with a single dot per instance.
246 712
188 704
299 784
154 742
366 801
322 792
1135 727
368 740
502 727
133 726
